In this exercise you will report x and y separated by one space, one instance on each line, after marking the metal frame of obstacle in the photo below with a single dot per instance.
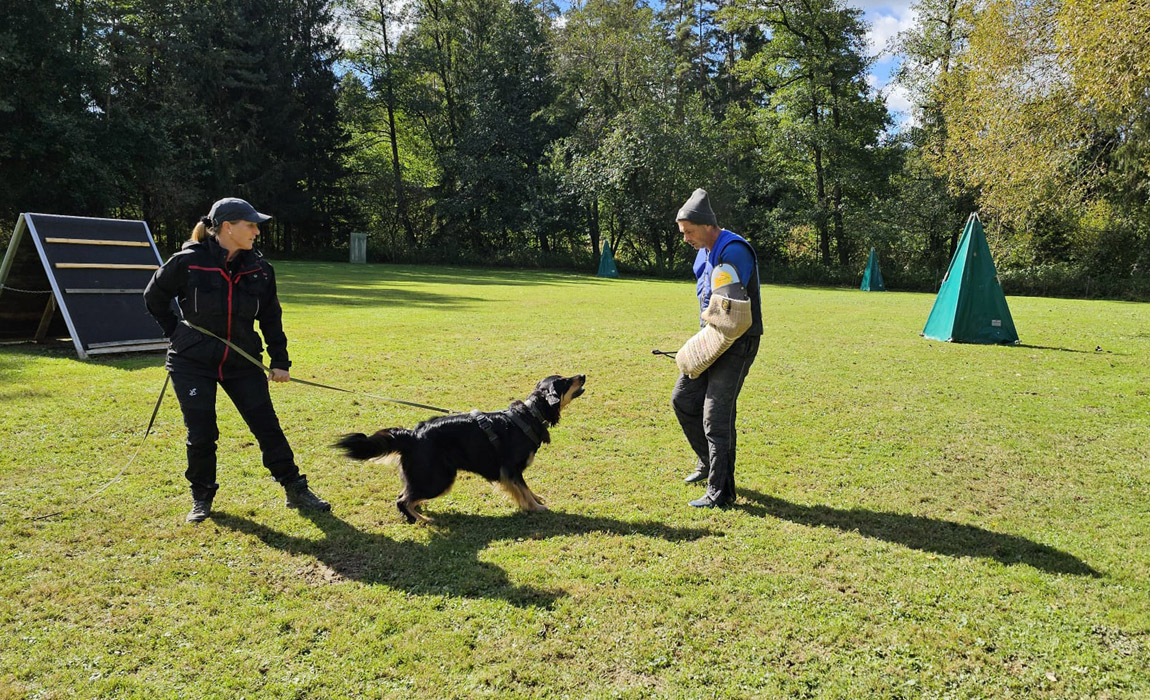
62 246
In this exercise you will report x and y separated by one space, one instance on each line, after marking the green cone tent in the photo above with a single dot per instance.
872 278
970 306
607 262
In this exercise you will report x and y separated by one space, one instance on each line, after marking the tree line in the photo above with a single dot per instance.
517 132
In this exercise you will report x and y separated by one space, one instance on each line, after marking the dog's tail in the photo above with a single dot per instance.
360 446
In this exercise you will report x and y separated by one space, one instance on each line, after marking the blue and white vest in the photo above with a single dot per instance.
706 262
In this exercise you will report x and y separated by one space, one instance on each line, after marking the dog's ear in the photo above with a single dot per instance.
553 394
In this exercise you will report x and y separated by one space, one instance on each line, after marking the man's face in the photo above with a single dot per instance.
697 235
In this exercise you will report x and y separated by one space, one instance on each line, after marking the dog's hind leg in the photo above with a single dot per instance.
406 504
407 508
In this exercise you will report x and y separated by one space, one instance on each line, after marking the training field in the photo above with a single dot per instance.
916 519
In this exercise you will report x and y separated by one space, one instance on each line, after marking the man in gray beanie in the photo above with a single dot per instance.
726 267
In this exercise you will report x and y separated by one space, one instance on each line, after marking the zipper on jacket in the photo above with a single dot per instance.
227 348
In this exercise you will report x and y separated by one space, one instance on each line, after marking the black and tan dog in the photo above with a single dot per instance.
498 446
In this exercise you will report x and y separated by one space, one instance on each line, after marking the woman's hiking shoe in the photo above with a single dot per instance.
200 511
710 502
300 496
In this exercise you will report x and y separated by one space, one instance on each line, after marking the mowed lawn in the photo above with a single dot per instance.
916 519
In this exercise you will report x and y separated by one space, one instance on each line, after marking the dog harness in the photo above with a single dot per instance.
485 423
528 430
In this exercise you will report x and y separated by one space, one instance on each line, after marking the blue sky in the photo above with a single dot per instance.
887 19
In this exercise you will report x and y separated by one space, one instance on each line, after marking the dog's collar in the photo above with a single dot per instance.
529 430
537 413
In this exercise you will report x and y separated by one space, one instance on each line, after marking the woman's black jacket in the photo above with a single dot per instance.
224 297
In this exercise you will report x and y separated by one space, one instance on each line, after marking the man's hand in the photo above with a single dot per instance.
279 375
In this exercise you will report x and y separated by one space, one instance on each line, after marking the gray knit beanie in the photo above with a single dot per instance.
697 209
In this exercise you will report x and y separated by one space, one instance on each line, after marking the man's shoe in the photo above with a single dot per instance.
200 511
707 502
700 474
702 471
300 496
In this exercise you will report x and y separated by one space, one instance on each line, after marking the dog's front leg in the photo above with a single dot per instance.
533 502
539 502
517 489
536 501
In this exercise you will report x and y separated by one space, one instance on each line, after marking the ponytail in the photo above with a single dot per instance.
202 230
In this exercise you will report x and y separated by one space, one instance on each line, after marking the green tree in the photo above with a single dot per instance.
812 73
53 127
1047 116
930 50
504 132
377 24
645 138
610 58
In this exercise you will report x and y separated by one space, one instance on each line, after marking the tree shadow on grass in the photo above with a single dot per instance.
925 534
346 294
1026 346
449 563
16 356
507 276
441 274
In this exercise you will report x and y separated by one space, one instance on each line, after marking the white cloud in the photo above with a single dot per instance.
884 27
899 105
885 19
898 8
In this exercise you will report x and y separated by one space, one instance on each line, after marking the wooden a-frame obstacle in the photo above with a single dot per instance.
91 272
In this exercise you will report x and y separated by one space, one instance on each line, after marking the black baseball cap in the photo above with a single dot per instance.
235 209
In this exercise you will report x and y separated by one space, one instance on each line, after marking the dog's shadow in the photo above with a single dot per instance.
449 563
922 533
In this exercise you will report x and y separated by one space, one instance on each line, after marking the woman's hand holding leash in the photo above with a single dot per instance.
279 375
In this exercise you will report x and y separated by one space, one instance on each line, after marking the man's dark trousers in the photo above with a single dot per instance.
249 392
706 408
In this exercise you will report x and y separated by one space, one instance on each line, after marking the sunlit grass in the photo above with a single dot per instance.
917 519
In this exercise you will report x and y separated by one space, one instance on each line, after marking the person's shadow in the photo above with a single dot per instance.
449 562
925 534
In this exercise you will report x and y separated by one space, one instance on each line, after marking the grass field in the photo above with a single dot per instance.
916 519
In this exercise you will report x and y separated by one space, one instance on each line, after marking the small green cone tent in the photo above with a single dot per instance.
607 262
970 306
872 278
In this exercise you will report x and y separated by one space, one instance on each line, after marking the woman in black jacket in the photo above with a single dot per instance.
223 285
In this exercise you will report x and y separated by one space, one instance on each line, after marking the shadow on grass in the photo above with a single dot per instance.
492 276
1081 352
448 564
361 295
17 355
359 290
925 534
445 274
